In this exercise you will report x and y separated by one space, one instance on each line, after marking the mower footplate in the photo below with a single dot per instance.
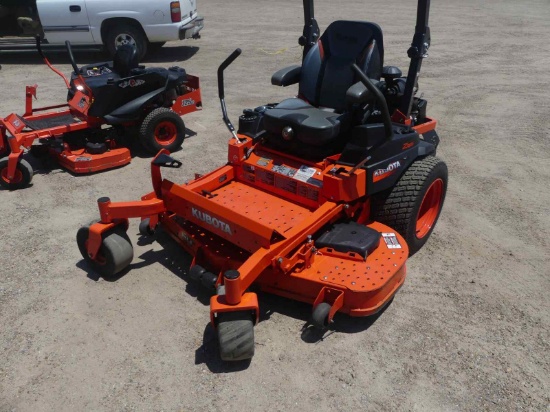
367 284
63 119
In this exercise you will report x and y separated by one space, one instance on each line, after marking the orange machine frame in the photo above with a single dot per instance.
244 216
13 137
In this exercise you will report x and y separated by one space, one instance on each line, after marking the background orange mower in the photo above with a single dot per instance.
88 133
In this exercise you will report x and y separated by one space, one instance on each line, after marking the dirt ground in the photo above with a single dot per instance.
468 331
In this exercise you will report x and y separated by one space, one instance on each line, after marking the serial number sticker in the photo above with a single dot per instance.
304 173
284 170
391 241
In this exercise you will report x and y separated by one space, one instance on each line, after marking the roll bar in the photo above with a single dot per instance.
417 52
311 31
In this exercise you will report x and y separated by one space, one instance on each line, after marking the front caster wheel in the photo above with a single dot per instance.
319 317
235 336
115 253
22 177
145 229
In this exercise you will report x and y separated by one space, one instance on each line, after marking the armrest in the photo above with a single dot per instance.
287 76
358 93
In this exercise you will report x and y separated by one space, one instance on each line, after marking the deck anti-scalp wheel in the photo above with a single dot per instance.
145 229
115 253
162 129
235 336
22 178
319 317
413 205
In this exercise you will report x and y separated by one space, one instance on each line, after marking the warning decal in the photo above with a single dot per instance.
284 170
391 241
304 173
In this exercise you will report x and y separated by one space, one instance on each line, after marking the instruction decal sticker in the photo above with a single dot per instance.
391 241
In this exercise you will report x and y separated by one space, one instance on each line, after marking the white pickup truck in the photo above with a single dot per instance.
109 23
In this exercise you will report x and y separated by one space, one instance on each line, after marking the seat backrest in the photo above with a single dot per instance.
326 69
125 59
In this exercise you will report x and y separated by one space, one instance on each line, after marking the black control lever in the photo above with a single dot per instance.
41 53
380 99
71 57
221 91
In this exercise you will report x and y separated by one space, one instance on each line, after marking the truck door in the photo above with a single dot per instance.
65 20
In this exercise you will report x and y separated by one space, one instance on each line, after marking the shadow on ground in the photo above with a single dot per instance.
172 257
175 54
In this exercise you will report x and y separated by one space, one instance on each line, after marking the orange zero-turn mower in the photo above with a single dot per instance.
87 134
323 198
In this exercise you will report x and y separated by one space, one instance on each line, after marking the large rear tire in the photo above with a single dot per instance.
115 253
162 129
235 336
412 207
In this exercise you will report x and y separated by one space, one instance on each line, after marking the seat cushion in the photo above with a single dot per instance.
312 126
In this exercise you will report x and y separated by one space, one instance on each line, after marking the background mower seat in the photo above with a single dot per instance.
122 87
125 59
320 113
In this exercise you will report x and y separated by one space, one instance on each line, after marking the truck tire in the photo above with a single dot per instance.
126 33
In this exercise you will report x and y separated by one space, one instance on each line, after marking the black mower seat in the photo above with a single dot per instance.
321 113
122 86
174 74
314 126
125 60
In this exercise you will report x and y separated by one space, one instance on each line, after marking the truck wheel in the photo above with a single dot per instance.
162 129
125 33
115 253
235 336
413 205
22 178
